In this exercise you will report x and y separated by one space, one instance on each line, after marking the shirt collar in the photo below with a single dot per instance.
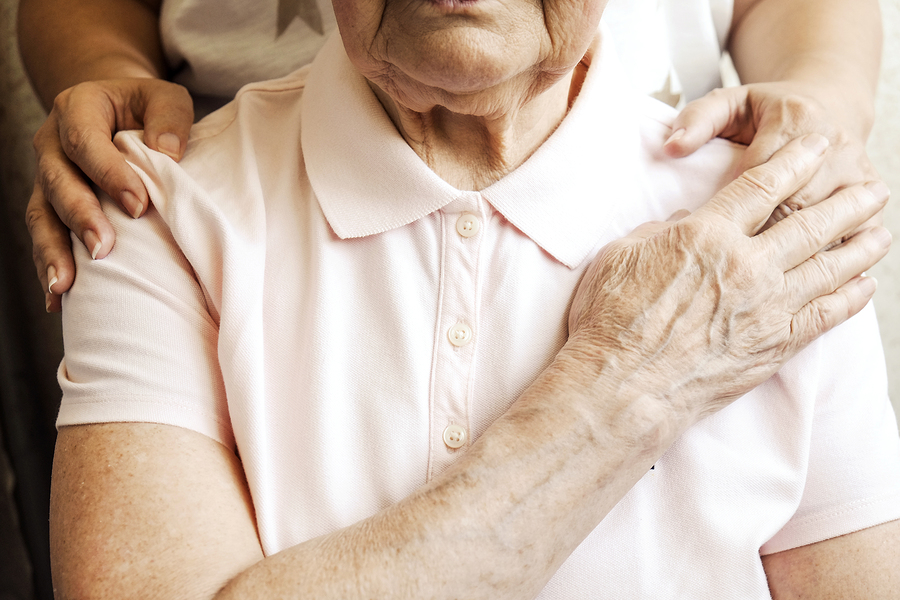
368 180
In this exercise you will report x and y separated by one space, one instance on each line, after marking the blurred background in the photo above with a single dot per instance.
30 339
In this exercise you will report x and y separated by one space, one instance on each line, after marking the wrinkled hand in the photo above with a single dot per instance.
74 145
696 312
766 116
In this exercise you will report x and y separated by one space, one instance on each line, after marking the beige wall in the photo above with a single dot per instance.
884 148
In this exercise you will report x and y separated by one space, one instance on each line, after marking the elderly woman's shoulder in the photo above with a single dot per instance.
262 102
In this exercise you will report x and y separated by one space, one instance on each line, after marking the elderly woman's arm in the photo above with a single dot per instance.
859 566
807 66
144 510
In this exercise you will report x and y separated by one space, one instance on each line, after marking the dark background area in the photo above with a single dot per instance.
30 346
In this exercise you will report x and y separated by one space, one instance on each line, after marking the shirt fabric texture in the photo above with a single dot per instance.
305 290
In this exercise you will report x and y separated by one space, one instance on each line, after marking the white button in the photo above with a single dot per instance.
460 334
468 225
455 436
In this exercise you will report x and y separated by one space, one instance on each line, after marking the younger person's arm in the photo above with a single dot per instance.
807 66
97 67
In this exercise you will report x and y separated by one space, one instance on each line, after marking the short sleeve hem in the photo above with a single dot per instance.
145 410
845 519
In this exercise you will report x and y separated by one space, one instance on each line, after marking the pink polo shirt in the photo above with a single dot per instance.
306 291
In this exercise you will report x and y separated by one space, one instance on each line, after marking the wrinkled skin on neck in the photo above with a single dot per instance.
473 87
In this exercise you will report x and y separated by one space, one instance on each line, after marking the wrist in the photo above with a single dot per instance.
621 403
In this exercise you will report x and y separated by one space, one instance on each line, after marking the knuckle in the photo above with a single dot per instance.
46 137
800 109
807 196
783 211
51 178
34 216
61 101
795 203
819 318
798 115
106 177
73 139
826 270
812 224
691 234
764 180
741 269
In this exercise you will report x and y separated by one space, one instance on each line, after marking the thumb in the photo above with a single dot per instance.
168 116
720 113
761 149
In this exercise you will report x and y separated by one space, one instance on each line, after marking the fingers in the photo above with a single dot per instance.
750 199
63 187
87 120
765 143
827 271
803 233
828 311
168 114
76 142
52 252
721 113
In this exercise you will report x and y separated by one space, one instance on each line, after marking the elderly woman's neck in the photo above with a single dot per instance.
471 152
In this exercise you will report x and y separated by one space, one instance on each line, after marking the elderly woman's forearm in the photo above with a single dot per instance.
834 45
501 521
64 43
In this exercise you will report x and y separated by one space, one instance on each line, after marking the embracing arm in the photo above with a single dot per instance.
832 48
96 65
67 42
806 66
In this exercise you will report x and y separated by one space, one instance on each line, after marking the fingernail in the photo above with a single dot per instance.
816 143
882 236
878 189
47 302
677 135
169 143
51 278
868 285
132 204
92 243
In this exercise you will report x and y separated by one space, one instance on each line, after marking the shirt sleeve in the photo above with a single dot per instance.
697 30
140 342
853 478
722 12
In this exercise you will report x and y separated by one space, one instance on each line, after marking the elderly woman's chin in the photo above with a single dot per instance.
467 55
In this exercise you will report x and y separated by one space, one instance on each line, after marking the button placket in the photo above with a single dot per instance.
463 224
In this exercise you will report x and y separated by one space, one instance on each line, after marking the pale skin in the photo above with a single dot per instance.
142 510
97 64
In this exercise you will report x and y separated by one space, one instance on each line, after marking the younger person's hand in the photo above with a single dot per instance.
766 116
74 148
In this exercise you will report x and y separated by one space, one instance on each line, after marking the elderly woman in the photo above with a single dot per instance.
355 364
807 66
